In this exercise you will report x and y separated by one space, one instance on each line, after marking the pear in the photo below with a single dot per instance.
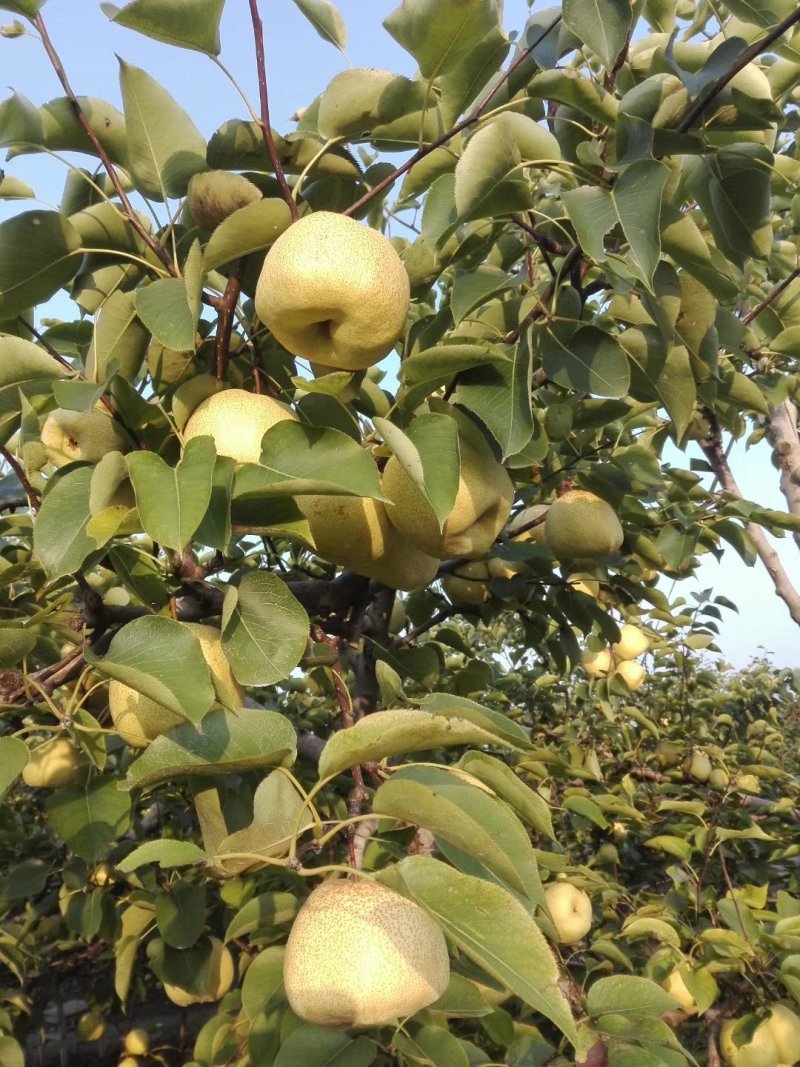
356 533
139 720
677 989
53 764
633 674
483 500
468 584
360 954
597 664
215 194
698 766
237 420
579 525
334 291
136 1042
219 977
632 642
760 1051
784 1026
571 911
85 436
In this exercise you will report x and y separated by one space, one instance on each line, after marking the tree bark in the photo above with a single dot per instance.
785 440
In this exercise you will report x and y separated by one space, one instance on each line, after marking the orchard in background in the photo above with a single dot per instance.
345 717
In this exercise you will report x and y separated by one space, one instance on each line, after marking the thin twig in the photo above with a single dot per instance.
110 169
222 345
771 296
749 54
266 128
33 497
46 345
472 118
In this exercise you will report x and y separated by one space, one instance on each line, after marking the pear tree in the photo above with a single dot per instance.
351 707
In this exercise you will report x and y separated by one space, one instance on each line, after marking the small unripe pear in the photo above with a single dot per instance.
53 764
216 194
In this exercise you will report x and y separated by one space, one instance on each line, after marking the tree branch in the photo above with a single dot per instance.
226 309
110 169
472 118
713 451
33 497
753 52
266 127
785 440
771 296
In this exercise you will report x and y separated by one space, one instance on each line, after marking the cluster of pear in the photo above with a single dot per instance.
620 658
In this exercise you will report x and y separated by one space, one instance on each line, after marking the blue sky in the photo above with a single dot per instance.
299 66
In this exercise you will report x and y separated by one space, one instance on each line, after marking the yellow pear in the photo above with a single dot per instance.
136 1042
360 954
219 979
760 1051
698 766
676 987
85 436
597 664
469 584
719 779
91 1026
633 674
579 525
237 420
355 532
53 764
213 195
139 720
334 291
571 911
632 642
784 1026
483 500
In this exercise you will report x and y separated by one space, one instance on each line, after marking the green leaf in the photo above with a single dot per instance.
134 921
25 370
249 229
591 361
60 540
139 574
263 982
261 914
14 188
186 23
167 853
309 459
491 927
28 8
445 361
661 376
163 306
514 735
264 629
90 818
15 645
279 817
490 177
602 24
172 501
181 913
461 813
326 20
429 455
119 339
230 743
39 253
165 146
399 730
13 757
461 43
634 204
315 1047
63 132
501 778
163 660
500 396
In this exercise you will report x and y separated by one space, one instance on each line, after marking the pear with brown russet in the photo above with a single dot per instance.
580 525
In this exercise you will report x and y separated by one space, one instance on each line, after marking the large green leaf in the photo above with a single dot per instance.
229 743
429 455
326 20
278 818
493 929
164 308
461 43
602 25
263 912
502 779
39 253
25 370
60 539
443 362
162 659
119 340
315 1047
185 23
27 8
172 501
166 852
400 730
15 644
264 629
460 812
496 722
90 818
250 229
13 757
164 145
500 395
590 361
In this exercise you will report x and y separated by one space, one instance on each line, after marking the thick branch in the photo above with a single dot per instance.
266 128
225 322
713 451
110 169
784 438
749 54
33 497
470 120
